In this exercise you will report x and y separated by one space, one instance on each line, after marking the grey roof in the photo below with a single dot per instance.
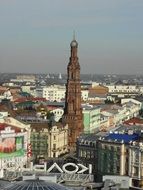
3 183
34 185
126 128
89 107
31 119
91 137
58 104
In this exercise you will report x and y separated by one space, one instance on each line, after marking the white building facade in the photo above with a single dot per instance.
123 88
54 93
57 93
58 113
58 141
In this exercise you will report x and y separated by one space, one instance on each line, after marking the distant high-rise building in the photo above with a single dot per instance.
73 111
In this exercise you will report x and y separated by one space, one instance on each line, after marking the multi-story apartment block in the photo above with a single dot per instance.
47 139
113 154
123 89
91 118
87 150
57 93
24 78
39 140
29 89
38 91
54 93
116 114
108 153
136 164
58 140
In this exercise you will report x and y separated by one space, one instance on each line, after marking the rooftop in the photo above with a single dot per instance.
34 99
58 104
92 137
125 128
32 119
33 184
126 138
134 121
89 107
4 125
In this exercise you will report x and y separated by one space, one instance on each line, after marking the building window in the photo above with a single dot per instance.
118 169
92 154
112 148
54 146
88 154
84 153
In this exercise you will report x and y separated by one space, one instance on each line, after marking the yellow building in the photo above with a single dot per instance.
48 140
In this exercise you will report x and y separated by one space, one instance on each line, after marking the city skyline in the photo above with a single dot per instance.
35 35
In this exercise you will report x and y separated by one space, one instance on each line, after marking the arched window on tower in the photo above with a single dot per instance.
71 76
77 75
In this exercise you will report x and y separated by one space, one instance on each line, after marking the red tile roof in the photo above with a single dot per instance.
50 108
23 99
134 121
4 125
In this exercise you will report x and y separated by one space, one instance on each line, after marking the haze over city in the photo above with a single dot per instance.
35 35
71 94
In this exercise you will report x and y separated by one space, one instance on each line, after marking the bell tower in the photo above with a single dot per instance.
73 111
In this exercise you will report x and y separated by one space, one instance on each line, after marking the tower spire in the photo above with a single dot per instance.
74 42
74 35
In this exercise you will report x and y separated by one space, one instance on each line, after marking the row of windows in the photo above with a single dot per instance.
123 90
58 112
86 154
38 144
16 159
59 95
113 148
52 94
34 136
110 169
108 163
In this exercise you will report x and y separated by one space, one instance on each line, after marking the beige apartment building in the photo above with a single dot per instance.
58 140
48 141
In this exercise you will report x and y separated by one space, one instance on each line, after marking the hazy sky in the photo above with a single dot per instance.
35 35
